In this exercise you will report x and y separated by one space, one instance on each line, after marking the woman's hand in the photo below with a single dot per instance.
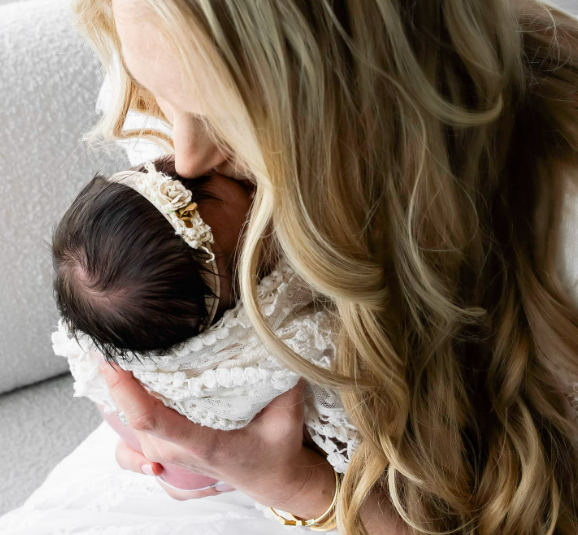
266 459
132 460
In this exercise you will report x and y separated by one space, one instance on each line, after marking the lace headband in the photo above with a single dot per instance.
174 201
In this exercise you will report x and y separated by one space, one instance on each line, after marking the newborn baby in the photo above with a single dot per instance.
145 275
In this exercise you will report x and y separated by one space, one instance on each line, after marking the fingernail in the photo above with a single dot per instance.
223 487
147 469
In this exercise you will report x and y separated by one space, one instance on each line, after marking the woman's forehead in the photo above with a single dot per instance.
149 58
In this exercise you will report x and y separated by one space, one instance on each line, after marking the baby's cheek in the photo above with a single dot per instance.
167 109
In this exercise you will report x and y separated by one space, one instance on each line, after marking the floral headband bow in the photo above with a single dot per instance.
174 201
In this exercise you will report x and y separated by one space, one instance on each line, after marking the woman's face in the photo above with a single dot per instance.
153 65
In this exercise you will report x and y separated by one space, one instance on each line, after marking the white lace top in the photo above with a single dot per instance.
223 377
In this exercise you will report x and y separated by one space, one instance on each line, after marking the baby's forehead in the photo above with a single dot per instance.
202 188
165 165
214 192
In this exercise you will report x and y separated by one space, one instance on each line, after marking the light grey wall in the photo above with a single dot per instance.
48 88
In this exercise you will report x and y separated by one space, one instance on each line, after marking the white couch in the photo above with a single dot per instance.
49 82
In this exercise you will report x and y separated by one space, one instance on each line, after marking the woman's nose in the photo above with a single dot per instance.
196 153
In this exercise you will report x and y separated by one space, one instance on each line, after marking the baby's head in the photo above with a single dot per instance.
126 279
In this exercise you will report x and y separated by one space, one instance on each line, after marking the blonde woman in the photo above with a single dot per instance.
414 163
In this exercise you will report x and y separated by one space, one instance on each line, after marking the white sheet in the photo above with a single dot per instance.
87 493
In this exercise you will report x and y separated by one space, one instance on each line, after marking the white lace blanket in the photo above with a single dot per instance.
225 376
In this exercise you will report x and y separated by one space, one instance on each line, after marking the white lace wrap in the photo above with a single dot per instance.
223 377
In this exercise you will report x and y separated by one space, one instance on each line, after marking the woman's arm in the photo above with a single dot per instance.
266 459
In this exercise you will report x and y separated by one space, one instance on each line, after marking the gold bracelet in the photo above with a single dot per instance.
327 525
326 522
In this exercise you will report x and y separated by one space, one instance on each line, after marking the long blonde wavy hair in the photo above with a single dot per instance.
412 159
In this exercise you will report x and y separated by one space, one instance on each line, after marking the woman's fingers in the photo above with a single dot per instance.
130 398
132 460
284 415
291 401
182 495
147 415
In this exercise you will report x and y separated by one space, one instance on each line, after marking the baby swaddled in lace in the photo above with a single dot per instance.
144 281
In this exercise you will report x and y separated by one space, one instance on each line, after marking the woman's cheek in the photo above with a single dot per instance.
167 110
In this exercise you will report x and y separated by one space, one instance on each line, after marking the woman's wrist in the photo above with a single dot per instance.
312 493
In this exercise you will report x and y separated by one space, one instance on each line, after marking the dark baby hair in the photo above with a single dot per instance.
122 275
